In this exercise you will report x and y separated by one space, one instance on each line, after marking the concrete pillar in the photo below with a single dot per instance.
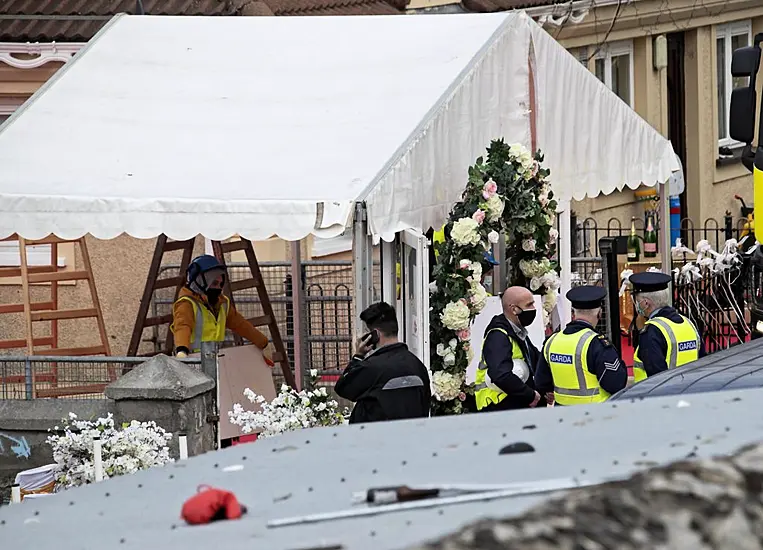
172 394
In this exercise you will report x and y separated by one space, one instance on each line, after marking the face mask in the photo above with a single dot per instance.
213 294
639 309
526 317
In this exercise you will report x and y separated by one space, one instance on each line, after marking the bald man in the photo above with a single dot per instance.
505 374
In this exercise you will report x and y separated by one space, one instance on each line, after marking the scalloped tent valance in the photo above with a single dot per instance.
277 126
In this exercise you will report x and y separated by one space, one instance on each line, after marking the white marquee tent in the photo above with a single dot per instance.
263 126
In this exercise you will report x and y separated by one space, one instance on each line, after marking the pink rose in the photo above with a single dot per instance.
465 264
478 216
462 396
490 189
464 334
535 168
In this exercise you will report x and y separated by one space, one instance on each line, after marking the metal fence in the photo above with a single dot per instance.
27 377
586 234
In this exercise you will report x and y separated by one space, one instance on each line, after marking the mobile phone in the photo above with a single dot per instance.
371 338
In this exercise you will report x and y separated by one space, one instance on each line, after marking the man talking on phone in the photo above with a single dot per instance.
384 379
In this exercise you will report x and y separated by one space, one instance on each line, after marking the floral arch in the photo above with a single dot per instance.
507 193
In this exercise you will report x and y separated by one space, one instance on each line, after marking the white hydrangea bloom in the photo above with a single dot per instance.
455 316
447 386
465 232
493 237
478 297
495 206
528 245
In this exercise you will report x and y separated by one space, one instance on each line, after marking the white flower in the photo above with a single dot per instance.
534 284
465 264
464 232
432 287
528 245
453 343
553 235
469 355
478 297
290 410
517 150
456 315
493 237
136 446
543 199
441 350
313 372
495 206
476 269
449 360
447 386
549 300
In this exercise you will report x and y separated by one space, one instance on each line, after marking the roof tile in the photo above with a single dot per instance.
79 20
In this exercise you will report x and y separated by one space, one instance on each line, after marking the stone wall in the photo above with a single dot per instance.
177 397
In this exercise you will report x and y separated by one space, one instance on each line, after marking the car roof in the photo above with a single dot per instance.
739 367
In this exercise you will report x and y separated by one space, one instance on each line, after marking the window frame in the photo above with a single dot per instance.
727 31
615 49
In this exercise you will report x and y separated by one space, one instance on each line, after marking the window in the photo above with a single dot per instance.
614 67
727 39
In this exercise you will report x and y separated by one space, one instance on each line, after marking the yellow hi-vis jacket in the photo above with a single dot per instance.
566 355
207 328
683 344
486 393
438 237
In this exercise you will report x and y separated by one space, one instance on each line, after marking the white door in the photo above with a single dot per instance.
415 292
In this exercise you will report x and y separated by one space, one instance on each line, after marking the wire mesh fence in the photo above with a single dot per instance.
30 377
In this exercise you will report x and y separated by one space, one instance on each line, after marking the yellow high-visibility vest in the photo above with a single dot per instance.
566 355
438 237
207 328
486 393
683 344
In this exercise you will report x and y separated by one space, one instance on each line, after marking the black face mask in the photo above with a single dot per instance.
213 294
526 317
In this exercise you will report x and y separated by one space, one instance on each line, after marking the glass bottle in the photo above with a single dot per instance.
650 238
634 247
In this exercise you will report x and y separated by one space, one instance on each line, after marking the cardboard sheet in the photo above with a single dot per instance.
241 367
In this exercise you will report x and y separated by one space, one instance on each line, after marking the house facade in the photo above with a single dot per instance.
670 60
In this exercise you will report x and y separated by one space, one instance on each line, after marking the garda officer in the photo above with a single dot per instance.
668 339
202 312
505 374
579 365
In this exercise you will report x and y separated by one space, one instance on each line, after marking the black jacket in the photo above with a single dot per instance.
391 383
496 352
602 359
652 346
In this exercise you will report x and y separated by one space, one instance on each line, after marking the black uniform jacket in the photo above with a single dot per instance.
602 360
652 346
497 352
390 383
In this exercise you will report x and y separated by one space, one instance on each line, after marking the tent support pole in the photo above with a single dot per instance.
565 261
297 285
362 266
665 230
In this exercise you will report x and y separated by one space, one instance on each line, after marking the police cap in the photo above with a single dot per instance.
649 281
586 296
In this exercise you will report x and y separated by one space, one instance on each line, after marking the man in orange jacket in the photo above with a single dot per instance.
202 312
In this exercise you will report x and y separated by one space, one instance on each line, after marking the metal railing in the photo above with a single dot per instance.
586 234
27 377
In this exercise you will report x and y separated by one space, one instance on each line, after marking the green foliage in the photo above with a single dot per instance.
528 214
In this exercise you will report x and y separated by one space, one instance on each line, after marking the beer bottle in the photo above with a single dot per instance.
634 247
650 238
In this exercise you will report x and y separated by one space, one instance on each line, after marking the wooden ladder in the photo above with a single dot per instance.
48 311
256 281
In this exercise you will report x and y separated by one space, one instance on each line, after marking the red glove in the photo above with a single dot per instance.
211 504
269 363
